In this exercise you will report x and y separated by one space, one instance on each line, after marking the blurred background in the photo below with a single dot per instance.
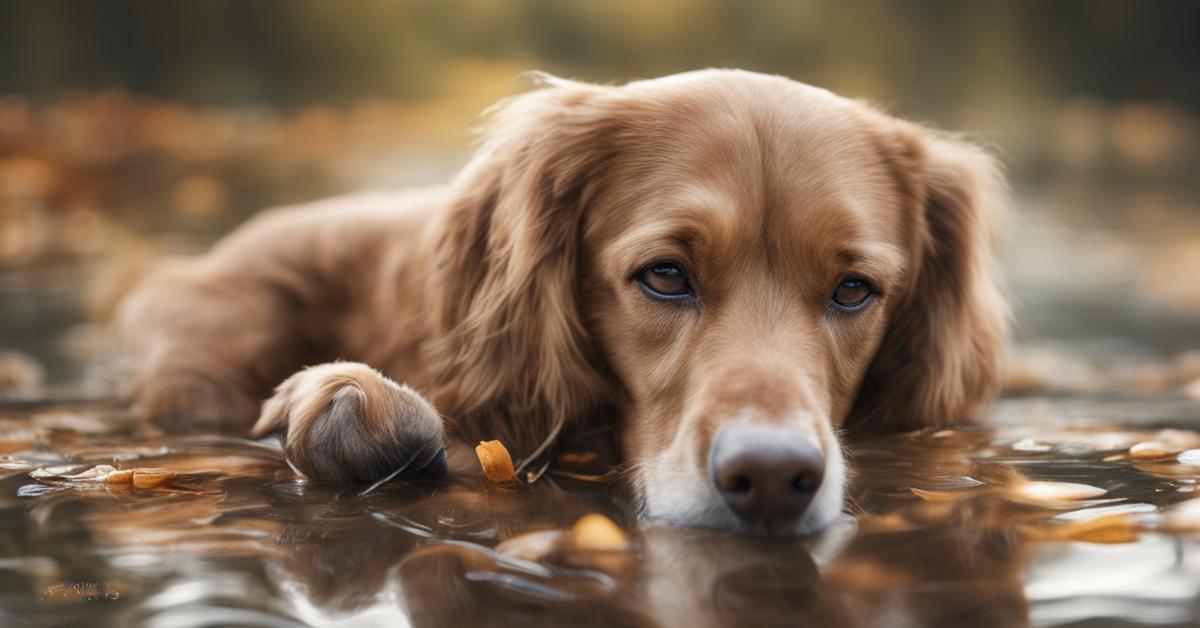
133 128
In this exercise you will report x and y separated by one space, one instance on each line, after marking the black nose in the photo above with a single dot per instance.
766 474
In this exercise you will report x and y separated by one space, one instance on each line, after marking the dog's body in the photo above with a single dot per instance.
733 264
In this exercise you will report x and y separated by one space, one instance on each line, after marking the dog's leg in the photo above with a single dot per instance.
199 339
346 422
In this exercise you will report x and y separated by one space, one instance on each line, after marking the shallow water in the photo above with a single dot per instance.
945 528
236 539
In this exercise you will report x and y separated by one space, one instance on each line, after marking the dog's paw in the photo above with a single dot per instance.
348 423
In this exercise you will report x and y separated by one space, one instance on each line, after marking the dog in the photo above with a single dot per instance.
732 268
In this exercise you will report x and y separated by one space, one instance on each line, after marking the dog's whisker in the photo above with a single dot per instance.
420 455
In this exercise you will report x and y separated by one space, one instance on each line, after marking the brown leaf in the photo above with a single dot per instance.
496 462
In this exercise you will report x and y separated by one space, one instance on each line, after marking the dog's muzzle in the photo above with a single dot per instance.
766 475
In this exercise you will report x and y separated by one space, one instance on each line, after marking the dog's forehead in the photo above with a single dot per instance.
749 155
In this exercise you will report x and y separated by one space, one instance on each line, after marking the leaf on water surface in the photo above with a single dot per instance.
595 532
1116 528
1029 444
150 478
1190 457
1150 449
98 473
594 542
121 476
533 545
1050 493
496 461
103 475
36 490
1171 469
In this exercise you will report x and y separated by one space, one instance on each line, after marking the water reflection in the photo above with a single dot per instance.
947 531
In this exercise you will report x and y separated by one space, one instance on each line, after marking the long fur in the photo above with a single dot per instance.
511 355
941 359
496 297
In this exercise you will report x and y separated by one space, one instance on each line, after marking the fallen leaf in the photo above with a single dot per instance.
1029 444
120 476
496 462
1118 528
1043 493
1149 449
595 532
98 473
533 545
150 478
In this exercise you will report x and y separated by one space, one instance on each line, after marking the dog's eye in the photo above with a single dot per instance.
852 294
666 281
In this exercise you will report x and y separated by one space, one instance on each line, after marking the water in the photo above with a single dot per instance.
945 528
236 539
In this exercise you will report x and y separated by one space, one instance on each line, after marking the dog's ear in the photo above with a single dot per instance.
940 361
513 359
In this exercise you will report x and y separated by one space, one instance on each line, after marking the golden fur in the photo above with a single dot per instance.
507 298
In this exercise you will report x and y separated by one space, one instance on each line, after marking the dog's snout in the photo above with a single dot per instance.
766 475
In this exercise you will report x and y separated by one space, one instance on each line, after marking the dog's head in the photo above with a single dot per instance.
739 264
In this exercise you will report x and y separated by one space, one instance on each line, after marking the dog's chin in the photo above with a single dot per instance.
690 500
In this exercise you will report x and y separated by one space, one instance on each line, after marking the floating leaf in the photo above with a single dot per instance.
595 532
1046 493
150 478
1150 449
98 473
1116 528
121 476
496 461
1190 457
533 545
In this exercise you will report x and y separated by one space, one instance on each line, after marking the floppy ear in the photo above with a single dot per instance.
512 356
940 361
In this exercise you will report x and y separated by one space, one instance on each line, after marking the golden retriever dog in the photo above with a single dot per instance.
730 267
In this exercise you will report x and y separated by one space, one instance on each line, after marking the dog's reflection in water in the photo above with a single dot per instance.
431 559
683 578
427 551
